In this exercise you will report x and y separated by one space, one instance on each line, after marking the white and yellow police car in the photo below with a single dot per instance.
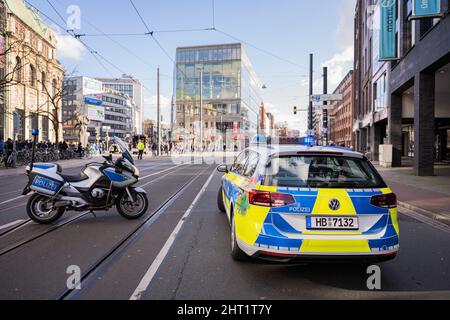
311 203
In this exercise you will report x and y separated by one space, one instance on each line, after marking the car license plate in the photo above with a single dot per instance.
332 223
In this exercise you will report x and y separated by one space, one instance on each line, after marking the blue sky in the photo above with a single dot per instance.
290 29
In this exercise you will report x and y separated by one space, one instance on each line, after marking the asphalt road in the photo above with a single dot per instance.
182 251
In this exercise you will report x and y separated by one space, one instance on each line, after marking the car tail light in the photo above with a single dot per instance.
384 201
270 199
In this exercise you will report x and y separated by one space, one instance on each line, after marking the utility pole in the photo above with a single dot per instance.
325 110
311 89
201 110
158 122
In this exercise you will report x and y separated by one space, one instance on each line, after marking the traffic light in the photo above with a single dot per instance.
295 110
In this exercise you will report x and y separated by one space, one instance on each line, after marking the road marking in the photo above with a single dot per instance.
154 174
11 224
148 277
424 219
11 200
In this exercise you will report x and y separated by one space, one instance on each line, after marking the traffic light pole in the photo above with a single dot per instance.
311 89
325 111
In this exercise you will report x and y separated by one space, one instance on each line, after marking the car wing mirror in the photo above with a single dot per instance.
223 168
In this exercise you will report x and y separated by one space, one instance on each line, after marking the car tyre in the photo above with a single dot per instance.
236 253
220 203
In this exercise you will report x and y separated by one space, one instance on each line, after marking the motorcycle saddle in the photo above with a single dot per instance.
74 178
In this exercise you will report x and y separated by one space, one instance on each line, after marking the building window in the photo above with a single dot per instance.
32 76
408 26
43 80
18 70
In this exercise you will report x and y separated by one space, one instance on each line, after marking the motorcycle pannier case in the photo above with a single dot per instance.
45 179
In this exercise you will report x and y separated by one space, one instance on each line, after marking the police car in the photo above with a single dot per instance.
297 202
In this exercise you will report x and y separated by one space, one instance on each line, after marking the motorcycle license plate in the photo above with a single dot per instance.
46 184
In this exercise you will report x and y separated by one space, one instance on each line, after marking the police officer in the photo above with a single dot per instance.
141 148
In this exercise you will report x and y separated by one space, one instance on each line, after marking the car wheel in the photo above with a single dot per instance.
236 253
220 203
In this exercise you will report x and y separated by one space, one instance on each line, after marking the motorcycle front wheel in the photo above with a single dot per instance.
132 209
40 209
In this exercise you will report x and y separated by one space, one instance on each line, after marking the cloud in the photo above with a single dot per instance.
338 66
344 31
69 48
296 123
150 107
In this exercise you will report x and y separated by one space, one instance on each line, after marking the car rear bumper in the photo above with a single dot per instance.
337 253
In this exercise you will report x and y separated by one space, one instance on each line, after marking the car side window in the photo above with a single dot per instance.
239 165
252 164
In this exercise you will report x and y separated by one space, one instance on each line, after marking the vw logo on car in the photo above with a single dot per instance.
334 204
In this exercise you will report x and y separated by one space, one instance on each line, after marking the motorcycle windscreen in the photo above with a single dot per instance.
123 147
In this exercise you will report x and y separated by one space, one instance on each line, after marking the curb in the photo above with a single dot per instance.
433 217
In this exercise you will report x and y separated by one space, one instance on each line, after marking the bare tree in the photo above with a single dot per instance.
13 76
51 108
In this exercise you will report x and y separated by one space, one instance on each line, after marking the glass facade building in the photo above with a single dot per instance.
231 96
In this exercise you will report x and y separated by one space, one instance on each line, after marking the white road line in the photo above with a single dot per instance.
11 224
157 179
11 200
154 174
148 277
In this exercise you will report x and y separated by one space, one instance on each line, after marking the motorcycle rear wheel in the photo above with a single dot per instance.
38 212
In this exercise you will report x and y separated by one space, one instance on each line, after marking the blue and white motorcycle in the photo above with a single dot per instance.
99 187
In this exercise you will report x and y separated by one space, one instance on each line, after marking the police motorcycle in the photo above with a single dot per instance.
98 187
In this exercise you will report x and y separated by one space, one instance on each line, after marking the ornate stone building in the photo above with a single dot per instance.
33 76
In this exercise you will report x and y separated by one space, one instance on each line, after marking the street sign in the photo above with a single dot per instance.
326 97
323 107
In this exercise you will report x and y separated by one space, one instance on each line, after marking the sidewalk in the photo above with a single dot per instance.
429 196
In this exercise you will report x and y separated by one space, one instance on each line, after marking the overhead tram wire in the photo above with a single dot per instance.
95 53
150 33
56 11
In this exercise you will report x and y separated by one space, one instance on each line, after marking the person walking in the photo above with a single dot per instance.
141 148
8 150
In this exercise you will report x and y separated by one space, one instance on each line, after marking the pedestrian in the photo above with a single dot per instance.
141 148
80 150
8 150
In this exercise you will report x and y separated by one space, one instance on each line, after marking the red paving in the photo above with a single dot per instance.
429 200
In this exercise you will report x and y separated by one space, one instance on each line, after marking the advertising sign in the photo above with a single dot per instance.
95 99
388 30
426 9
91 86
96 113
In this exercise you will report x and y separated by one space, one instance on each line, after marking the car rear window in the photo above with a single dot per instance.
319 171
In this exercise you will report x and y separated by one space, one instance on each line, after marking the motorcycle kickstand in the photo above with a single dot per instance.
93 213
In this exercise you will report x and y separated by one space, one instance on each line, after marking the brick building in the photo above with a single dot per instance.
342 114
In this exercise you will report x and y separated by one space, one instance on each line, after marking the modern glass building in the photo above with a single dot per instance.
231 97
